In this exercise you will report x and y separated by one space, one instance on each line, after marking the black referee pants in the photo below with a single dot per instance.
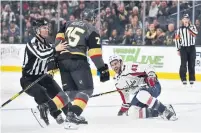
188 54
42 91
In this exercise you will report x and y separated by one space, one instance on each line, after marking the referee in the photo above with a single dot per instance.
185 43
37 53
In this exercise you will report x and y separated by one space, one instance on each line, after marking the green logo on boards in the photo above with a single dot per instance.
135 55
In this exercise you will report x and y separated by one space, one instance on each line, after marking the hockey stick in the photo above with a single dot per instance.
108 92
28 87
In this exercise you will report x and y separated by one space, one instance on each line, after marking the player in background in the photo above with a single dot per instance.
144 104
76 76
47 93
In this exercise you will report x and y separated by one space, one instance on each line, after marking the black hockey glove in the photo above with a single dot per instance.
52 66
104 73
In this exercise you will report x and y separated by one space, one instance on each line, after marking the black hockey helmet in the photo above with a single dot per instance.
38 23
87 14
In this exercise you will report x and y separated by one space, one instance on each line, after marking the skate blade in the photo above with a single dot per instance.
36 115
70 126
173 118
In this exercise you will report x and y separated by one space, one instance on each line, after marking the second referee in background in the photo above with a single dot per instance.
185 43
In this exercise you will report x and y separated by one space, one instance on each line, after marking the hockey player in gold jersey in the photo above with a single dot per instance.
83 41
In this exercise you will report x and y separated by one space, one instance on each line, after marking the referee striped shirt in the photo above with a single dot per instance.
36 55
185 36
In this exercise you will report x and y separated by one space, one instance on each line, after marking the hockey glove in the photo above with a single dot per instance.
52 66
124 109
120 113
151 79
104 73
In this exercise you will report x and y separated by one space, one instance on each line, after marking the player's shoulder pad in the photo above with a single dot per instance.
130 67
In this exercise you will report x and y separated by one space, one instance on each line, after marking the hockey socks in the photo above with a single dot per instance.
58 102
159 106
150 113
146 98
65 109
79 103
142 113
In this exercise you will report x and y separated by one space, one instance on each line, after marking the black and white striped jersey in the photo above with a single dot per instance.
185 36
37 53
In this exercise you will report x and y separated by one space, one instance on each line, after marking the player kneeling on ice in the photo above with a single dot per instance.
140 81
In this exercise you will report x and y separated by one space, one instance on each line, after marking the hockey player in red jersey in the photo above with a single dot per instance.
140 81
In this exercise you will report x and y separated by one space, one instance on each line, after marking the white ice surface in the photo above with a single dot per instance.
101 111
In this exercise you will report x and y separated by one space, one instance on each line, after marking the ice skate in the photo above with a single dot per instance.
72 121
169 113
59 119
191 84
43 109
185 85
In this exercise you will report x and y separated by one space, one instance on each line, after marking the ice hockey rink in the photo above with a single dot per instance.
101 111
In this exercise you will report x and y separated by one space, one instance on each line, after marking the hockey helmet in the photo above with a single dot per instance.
38 23
115 57
87 14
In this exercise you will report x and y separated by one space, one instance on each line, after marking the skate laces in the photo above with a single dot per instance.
73 117
59 117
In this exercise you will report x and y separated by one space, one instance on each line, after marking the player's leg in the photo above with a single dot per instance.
43 100
145 97
52 90
142 113
183 67
39 93
141 110
154 91
191 64
68 83
81 74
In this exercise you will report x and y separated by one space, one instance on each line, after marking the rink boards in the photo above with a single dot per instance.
164 59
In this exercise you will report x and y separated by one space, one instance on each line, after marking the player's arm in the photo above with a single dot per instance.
193 30
39 53
125 102
177 40
95 53
146 71
60 35
151 77
120 83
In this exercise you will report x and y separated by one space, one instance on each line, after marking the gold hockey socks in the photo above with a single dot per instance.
58 102
79 103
